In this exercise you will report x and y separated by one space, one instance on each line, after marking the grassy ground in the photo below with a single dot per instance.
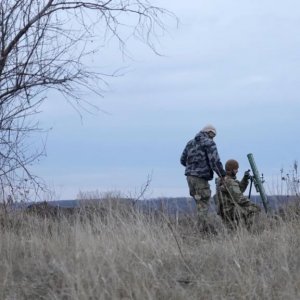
124 254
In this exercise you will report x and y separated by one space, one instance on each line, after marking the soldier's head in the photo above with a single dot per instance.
231 167
210 130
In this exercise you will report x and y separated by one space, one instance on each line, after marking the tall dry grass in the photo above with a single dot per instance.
125 254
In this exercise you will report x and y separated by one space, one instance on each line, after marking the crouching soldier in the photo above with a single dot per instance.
234 208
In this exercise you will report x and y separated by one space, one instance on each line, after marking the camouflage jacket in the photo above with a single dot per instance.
200 158
230 193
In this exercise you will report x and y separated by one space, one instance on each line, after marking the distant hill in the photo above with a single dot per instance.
181 205
172 206
187 205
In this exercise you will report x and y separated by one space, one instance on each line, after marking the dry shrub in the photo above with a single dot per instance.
122 253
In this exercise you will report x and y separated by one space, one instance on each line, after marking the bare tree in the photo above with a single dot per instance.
43 44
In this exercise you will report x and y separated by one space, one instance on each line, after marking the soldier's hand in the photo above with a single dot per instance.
247 174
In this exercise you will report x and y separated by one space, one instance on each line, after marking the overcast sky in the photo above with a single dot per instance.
234 64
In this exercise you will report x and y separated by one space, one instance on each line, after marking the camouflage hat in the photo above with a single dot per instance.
231 164
209 128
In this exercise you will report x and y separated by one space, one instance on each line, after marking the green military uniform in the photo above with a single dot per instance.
200 191
234 208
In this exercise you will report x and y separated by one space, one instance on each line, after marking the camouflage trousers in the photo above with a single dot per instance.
237 215
200 191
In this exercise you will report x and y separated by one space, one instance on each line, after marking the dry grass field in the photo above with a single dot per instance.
116 252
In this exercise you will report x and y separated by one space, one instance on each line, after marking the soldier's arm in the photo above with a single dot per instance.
234 191
183 157
214 159
243 184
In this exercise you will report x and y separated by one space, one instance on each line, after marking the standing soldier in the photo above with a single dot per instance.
200 158
234 208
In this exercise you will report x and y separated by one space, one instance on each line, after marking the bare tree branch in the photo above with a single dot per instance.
43 44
